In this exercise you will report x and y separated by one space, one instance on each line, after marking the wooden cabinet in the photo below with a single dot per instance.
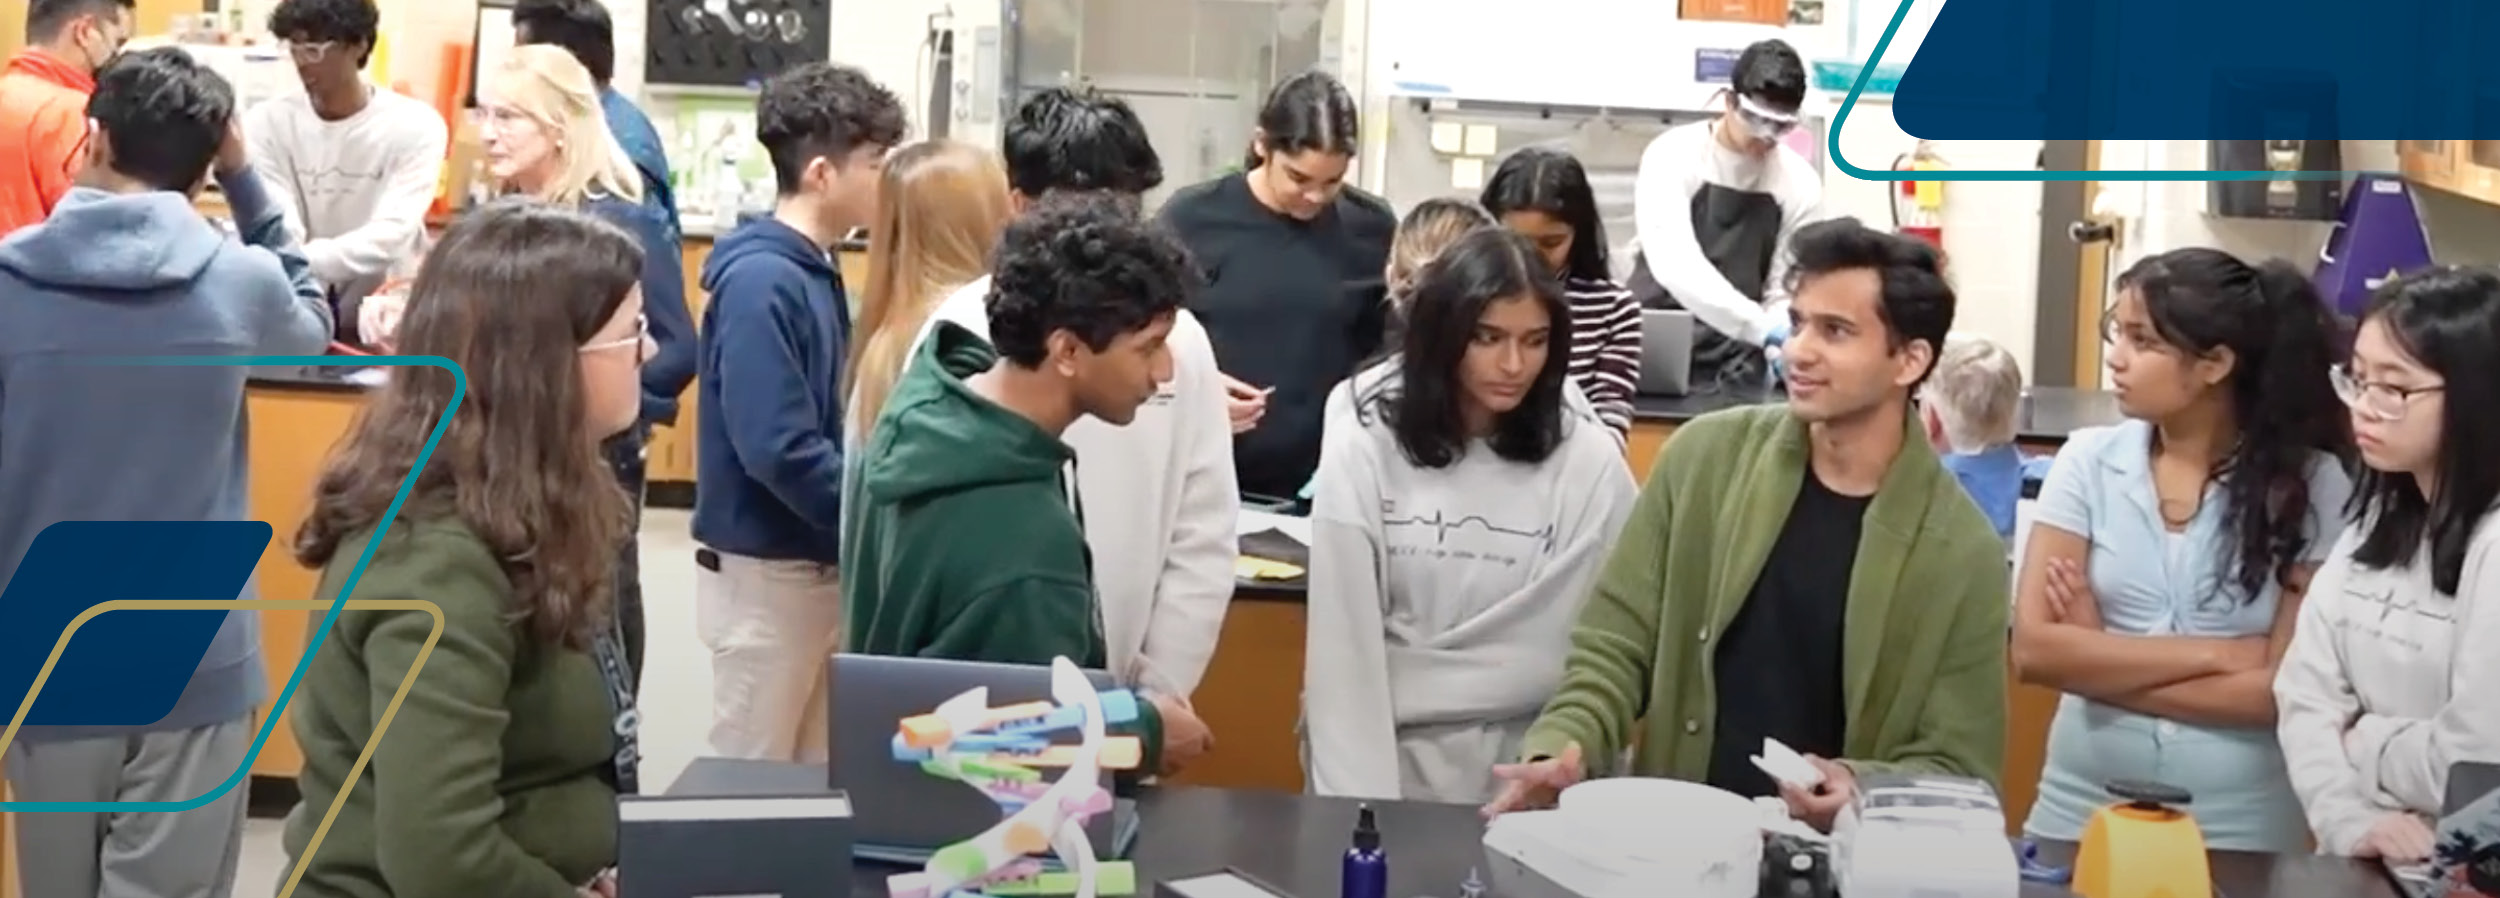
292 430
2468 168
1766 12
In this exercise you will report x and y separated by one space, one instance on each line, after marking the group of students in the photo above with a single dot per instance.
1035 438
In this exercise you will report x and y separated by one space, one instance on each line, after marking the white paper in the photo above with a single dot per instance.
1467 173
1483 140
1448 138
1297 529
1787 766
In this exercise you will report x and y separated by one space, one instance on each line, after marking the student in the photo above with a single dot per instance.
1158 492
963 543
43 100
768 417
583 28
2168 553
1716 204
358 165
1292 258
505 756
940 209
1769 537
1969 407
125 267
2389 678
1462 513
547 139
1544 195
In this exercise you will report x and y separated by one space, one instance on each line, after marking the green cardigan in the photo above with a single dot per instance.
488 781
1923 658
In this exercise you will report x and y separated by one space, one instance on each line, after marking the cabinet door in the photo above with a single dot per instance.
1766 12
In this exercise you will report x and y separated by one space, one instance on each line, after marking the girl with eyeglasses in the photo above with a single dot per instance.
2169 553
507 751
2392 677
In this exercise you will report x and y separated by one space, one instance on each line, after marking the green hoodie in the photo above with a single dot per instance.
959 540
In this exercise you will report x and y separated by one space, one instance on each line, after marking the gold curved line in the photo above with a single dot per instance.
354 773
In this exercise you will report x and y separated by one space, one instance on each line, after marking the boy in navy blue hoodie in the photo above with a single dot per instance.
768 430
125 267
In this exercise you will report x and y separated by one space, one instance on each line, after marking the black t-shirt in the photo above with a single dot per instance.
1778 665
1288 304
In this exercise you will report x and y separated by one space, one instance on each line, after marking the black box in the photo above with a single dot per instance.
788 846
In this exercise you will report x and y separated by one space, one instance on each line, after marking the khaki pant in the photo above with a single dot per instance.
770 625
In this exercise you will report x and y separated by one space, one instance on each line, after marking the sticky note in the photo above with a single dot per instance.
1482 140
1467 173
1448 138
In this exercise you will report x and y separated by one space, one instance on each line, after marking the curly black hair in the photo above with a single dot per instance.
582 27
2282 338
1085 264
823 110
163 115
1079 139
350 22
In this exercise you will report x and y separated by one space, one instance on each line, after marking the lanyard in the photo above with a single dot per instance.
626 721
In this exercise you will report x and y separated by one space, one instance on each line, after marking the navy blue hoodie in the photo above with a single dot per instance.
665 374
768 428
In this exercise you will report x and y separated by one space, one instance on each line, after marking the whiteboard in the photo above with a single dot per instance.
1869 18
1623 54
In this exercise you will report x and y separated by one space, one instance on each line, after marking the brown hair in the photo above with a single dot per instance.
510 295
940 208
1429 228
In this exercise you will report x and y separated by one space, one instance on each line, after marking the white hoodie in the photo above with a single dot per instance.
1159 502
2387 683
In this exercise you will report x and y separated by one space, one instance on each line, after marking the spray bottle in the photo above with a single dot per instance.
1366 866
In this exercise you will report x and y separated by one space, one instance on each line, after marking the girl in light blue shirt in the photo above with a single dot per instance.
2169 553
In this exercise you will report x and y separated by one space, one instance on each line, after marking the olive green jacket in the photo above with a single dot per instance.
1923 658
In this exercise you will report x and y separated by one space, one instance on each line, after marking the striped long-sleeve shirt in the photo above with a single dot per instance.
1605 347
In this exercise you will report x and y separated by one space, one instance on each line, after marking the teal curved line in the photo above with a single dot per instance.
460 389
1866 72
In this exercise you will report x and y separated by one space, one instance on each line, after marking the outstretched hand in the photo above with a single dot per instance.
1535 785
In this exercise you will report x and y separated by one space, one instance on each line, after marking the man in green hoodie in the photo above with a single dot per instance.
962 541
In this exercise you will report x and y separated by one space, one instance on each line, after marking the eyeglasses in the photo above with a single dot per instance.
642 330
308 52
2385 402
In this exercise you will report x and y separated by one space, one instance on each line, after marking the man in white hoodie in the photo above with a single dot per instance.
1158 496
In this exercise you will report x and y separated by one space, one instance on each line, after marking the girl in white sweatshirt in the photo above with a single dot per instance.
1463 509
2391 677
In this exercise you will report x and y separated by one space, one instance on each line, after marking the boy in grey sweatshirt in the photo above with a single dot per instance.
126 267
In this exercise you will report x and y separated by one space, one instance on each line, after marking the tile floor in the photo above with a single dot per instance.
676 690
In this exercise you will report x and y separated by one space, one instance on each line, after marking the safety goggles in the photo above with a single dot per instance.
1765 122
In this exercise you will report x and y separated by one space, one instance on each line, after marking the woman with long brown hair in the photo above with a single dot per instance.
547 138
505 758
939 211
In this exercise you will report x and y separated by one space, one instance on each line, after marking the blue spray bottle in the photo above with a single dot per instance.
1366 866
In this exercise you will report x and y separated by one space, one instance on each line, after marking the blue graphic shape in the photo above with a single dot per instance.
2186 69
320 632
122 669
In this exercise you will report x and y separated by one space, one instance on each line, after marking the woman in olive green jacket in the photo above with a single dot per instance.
484 644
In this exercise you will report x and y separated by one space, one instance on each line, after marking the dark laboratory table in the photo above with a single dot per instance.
2047 414
1294 842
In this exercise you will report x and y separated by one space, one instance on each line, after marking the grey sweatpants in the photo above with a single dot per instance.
138 854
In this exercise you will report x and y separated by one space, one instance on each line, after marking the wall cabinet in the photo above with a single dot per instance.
2468 168
1766 12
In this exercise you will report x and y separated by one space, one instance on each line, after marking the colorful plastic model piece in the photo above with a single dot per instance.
1002 751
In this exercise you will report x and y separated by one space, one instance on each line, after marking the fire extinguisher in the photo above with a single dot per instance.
1918 207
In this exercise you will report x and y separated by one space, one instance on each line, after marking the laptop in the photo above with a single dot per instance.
1666 352
901 814
2470 817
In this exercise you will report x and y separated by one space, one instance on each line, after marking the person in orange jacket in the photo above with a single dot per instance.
43 100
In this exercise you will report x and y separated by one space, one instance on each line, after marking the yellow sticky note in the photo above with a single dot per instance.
1467 173
1448 138
1482 139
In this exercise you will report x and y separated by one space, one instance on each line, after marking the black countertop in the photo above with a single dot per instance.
1295 842
2047 414
329 378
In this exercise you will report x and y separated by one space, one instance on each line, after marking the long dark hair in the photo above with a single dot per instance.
2282 338
1485 266
1551 181
1308 111
510 295
2449 320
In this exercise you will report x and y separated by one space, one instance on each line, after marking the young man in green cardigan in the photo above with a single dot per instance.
1808 573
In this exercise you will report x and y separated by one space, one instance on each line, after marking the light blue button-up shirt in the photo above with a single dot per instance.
2150 581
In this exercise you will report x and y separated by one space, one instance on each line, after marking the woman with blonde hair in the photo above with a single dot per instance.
546 138
940 209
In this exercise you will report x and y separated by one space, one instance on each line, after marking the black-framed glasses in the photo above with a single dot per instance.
2384 401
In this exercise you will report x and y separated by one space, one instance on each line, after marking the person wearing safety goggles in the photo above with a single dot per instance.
43 100
1714 205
